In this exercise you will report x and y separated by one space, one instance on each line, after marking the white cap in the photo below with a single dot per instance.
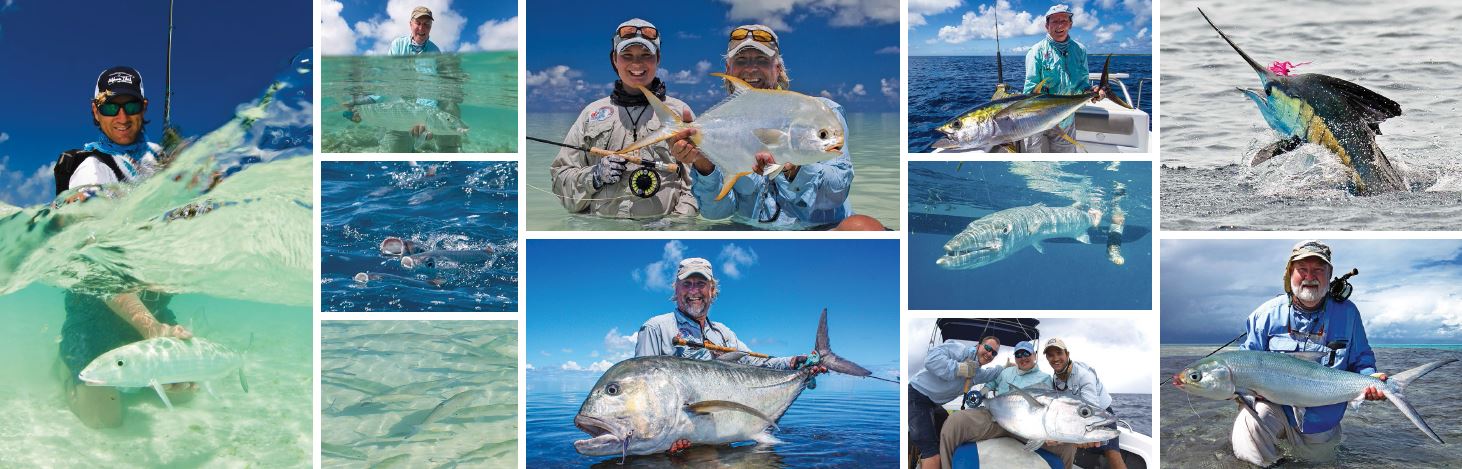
1058 8
694 266
621 44
769 49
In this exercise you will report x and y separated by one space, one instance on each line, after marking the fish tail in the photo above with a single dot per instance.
1396 387
831 360
1108 87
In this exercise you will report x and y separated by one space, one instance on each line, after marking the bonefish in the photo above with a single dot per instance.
164 360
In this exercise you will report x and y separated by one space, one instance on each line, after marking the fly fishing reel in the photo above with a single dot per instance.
1340 288
644 182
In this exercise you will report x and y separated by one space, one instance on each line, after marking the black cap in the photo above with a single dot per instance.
119 80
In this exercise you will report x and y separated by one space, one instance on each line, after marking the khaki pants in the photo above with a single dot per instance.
1256 439
978 425
1050 141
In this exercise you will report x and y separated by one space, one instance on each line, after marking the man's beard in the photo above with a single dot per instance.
1309 292
696 312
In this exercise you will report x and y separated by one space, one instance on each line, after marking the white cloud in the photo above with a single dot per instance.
919 8
1020 49
1105 33
562 87
495 35
618 346
380 31
555 76
529 366
24 187
733 258
4 137
888 50
600 366
981 25
1137 41
774 13
1141 11
658 275
858 90
889 87
689 77
336 37
571 366
566 350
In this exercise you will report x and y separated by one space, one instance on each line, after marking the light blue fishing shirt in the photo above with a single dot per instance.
657 337
818 196
939 379
1269 327
1014 377
1066 74
403 46
1083 383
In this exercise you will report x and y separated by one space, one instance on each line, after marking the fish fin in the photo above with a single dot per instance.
156 386
730 183
667 116
706 407
1010 148
243 383
1037 89
1402 379
1083 238
1396 398
1033 445
1038 247
737 84
1079 146
772 170
1106 86
1375 127
831 360
944 144
771 137
730 356
1372 106
1028 397
208 386
1275 149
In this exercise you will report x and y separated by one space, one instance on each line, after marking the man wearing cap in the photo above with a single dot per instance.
1059 62
95 325
801 197
695 290
1306 318
419 41
978 424
1080 380
950 370
602 186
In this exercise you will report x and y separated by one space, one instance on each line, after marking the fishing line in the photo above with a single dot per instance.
1226 344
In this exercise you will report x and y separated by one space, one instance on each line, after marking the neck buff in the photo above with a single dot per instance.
620 97
1060 46
105 145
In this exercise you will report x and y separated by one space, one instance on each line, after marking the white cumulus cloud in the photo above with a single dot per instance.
658 275
336 37
689 77
733 258
981 25
919 8
775 13
619 346
495 35
23 187
379 31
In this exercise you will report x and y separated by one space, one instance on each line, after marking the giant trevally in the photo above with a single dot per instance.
1000 234
644 404
1038 416
402 115
1336 114
1291 380
794 127
164 360
1016 117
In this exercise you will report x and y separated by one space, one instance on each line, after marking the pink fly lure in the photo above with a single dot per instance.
1283 68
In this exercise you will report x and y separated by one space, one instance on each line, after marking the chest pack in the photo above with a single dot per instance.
69 160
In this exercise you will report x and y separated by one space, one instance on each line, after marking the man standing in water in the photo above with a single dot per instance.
416 44
96 325
1058 65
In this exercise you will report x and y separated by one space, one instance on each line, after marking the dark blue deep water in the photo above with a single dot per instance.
461 205
944 197
844 422
941 88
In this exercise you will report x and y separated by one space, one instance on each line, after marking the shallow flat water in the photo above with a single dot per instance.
484 84
1195 431
872 139
1402 51
454 205
381 379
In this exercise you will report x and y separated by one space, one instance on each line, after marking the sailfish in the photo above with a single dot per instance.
1336 114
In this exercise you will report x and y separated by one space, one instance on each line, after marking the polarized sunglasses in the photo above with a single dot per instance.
988 348
110 109
1022 354
757 34
647 32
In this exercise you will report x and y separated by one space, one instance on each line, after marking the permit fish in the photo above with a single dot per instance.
1016 117
644 404
1038 416
402 115
1000 234
431 259
164 360
1288 379
796 128
1341 116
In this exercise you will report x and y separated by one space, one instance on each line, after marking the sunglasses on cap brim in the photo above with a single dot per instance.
647 32
132 108
756 34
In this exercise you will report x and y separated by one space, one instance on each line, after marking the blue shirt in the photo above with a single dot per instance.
1082 382
1066 74
657 337
818 196
1014 377
403 46
1269 327
940 380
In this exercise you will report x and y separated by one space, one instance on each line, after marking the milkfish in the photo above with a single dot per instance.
998 235
1038 416
402 115
1341 116
793 127
164 360
644 404
1016 117
1291 380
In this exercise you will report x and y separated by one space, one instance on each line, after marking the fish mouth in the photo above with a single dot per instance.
603 439
944 143
966 257
89 381
836 147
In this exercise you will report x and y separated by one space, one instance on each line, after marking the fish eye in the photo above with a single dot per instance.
1194 376
822 134
956 125
119 363
1084 411
611 389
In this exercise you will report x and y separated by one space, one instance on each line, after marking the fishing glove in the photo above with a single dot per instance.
608 171
967 368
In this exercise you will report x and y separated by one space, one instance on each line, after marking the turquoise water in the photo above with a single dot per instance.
872 139
270 426
380 380
485 84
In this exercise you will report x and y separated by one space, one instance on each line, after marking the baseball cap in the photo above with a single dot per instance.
769 48
621 43
1059 8
1027 345
119 80
419 12
1058 343
1310 248
693 266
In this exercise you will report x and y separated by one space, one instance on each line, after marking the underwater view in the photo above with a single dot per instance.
403 236
468 101
419 393
1084 233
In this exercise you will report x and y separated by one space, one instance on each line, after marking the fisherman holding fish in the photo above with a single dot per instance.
949 370
1305 319
416 43
804 196
978 424
96 325
1059 62
598 185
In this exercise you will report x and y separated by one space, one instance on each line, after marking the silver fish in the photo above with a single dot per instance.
401 115
446 408
1039 416
164 360
1290 380
643 405
431 259
1015 117
1000 234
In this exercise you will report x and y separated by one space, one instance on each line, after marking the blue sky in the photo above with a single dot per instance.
356 27
958 27
224 54
847 51
1114 347
587 298
1408 291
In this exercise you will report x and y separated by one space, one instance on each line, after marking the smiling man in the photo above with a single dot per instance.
1058 65
419 41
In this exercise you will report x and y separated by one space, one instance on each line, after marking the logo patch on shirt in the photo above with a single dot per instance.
601 113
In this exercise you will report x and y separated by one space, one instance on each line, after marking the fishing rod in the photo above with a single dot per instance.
1226 344
717 348
643 182
167 83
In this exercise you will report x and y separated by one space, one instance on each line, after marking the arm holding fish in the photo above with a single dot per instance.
818 187
130 308
1360 357
706 178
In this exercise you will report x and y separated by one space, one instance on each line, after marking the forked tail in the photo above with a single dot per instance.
831 360
1395 392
